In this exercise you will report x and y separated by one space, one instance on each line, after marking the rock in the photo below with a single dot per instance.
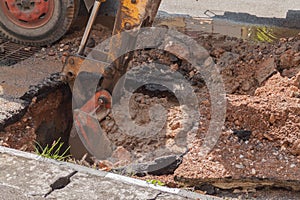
292 165
27 49
104 165
191 74
280 50
51 53
267 136
272 119
287 59
66 54
207 188
66 47
227 59
91 43
265 70
121 154
291 72
175 126
296 46
173 58
217 52
1 90
246 86
242 134
297 80
160 166
2 50
237 191
174 67
63 59
239 166
295 149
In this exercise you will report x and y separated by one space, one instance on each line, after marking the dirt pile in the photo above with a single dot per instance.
262 101
262 81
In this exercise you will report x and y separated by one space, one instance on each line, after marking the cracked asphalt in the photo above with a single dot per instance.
27 176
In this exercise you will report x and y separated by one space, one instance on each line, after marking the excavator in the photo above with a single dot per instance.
42 22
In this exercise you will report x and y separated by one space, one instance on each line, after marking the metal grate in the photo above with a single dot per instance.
12 53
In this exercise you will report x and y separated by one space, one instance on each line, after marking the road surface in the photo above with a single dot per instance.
196 8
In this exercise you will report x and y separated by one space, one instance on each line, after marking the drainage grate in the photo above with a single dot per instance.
12 53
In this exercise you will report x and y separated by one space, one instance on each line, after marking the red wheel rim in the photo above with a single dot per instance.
28 13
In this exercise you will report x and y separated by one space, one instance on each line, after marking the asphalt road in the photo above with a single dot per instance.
196 8
31 179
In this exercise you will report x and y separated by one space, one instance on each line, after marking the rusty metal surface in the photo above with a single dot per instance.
28 14
132 15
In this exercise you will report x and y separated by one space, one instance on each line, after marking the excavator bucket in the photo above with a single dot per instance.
93 138
86 121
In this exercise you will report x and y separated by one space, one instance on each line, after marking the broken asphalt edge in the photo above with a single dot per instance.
116 177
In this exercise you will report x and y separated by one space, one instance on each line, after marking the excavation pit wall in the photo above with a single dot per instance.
46 117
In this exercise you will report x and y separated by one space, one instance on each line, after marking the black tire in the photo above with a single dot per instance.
64 14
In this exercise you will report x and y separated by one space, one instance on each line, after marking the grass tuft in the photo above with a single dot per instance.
53 152
155 182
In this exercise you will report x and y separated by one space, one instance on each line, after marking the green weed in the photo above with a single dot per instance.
53 152
155 182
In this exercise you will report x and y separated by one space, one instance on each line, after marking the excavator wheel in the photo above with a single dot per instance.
36 22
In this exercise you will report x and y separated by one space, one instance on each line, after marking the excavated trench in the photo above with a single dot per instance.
262 81
45 117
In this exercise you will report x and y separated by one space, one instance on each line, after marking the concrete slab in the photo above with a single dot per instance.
28 176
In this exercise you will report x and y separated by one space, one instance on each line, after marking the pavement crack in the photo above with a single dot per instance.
157 195
60 183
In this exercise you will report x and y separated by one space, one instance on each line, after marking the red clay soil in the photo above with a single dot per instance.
263 97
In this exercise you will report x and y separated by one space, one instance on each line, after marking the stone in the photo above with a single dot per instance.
280 50
287 59
175 126
207 188
160 166
265 70
1 90
272 118
246 86
2 50
121 154
174 67
91 43
297 80
295 149
239 166
51 53
242 134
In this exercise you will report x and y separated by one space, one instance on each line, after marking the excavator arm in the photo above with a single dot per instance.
131 15
89 4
